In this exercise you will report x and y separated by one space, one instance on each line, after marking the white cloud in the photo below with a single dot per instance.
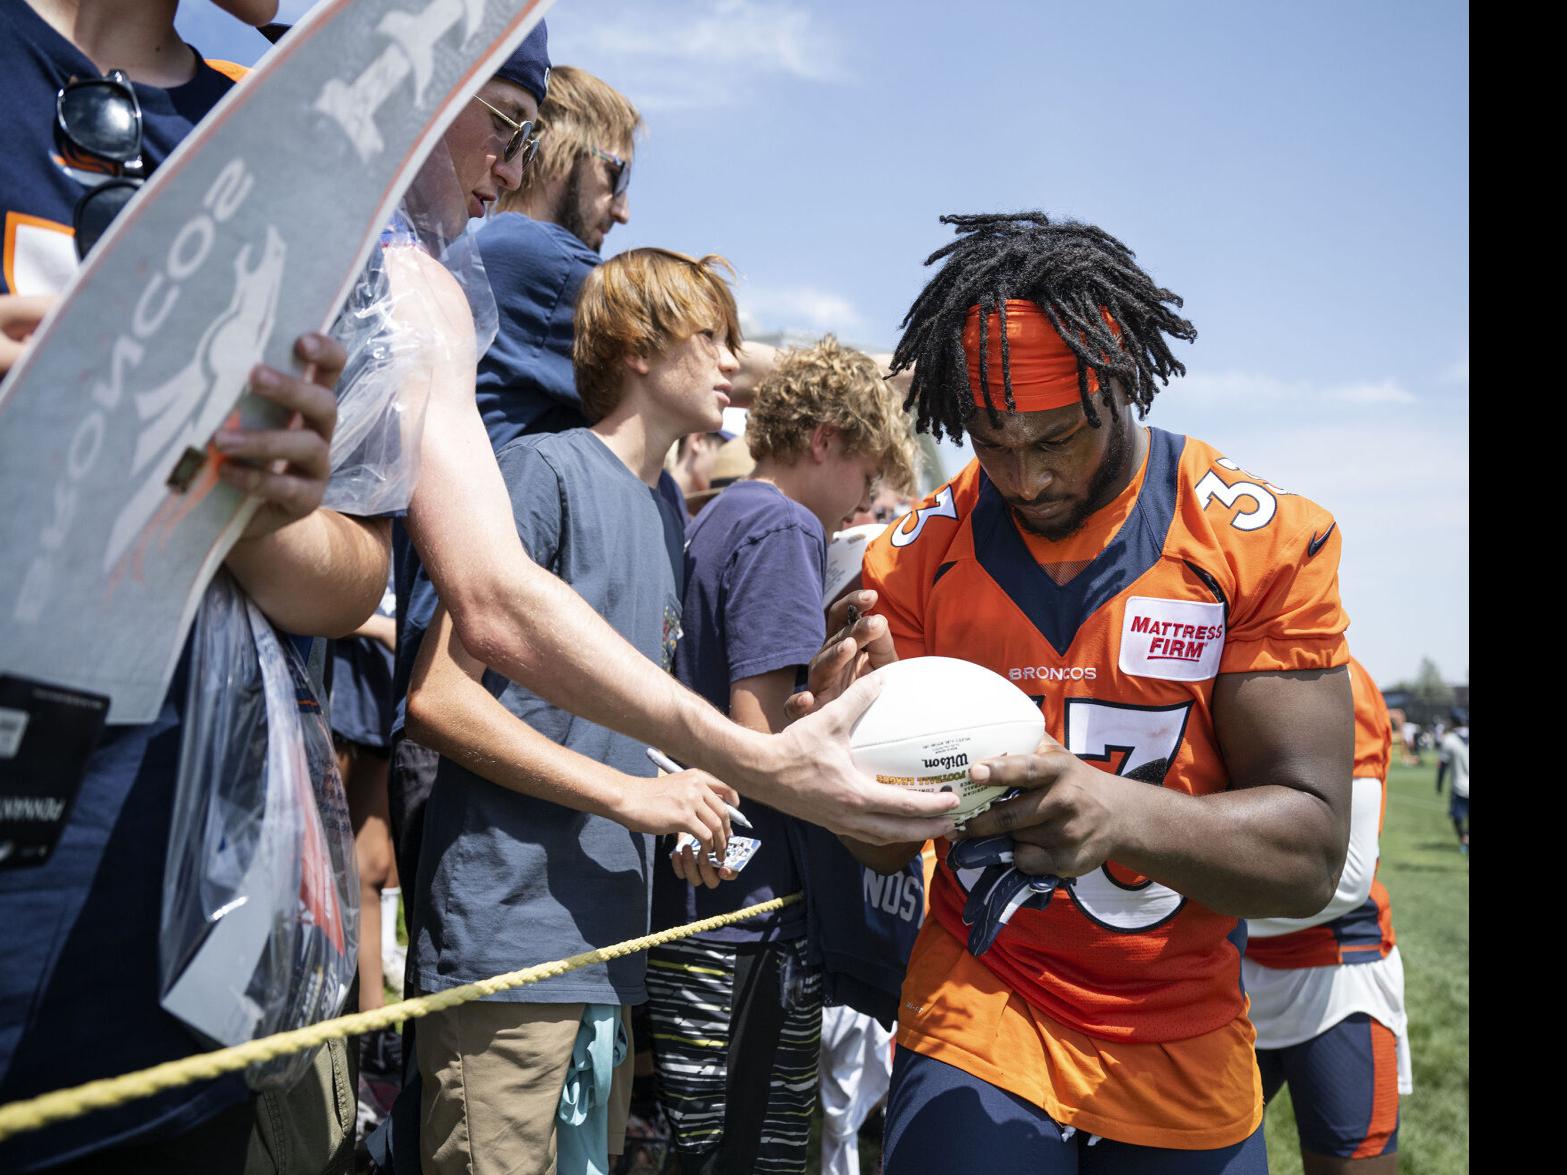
766 309
695 53
1236 386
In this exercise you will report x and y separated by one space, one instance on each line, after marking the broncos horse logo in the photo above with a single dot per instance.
186 410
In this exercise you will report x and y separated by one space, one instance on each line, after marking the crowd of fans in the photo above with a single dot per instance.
491 815
568 678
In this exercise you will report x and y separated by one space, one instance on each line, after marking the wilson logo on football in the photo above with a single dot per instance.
947 762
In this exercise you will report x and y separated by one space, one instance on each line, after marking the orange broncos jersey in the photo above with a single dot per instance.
1365 934
1198 568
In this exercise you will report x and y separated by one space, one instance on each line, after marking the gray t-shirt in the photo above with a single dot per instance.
507 880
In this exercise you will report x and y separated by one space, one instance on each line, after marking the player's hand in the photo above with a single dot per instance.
853 649
1065 822
20 315
809 772
697 869
688 801
287 468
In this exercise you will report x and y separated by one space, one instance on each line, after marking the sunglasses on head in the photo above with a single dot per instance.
620 169
99 120
522 137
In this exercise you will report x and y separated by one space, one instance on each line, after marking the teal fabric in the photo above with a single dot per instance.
582 1136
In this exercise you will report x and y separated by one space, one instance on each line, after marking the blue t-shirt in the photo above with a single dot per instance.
79 970
361 698
525 384
753 605
507 880
536 270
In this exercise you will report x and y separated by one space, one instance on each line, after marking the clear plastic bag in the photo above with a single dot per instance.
260 905
381 395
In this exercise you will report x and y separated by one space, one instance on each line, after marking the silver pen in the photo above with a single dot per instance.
665 763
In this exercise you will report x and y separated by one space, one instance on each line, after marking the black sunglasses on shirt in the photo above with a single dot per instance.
100 120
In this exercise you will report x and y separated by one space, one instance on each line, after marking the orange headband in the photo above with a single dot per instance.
1043 367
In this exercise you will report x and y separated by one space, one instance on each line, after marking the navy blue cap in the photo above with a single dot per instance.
529 64
1459 716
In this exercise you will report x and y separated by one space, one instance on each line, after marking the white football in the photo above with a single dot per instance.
936 716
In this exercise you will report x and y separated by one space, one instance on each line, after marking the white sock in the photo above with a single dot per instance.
389 898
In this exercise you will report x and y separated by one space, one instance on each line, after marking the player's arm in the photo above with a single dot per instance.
524 622
379 628
857 644
1360 865
450 711
756 703
1273 845
313 571
1444 764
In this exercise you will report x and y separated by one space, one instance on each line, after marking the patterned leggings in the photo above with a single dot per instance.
736 1036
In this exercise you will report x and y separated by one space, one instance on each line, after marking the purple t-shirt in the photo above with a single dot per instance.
753 604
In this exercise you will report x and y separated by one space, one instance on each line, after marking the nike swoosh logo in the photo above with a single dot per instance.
1316 542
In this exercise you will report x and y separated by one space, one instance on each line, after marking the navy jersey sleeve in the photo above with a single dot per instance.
773 602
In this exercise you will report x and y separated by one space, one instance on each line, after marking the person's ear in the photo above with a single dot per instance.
638 363
822 437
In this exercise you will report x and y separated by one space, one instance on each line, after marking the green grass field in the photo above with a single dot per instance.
1429 883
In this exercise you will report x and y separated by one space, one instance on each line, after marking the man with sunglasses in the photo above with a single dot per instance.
536 263
63 1016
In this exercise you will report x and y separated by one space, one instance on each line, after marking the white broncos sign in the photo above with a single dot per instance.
112 520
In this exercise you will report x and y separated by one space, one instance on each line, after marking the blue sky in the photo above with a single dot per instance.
1297 173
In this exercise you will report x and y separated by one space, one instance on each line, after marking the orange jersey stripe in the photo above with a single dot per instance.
1384 1098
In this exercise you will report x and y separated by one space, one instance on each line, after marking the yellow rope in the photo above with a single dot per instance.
64 1104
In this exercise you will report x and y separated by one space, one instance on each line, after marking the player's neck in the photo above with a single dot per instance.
137 36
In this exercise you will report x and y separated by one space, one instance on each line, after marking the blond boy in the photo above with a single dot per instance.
538 834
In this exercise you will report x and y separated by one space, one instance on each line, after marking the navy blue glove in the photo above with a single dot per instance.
1000 889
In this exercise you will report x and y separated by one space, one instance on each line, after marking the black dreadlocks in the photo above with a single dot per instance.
1069 270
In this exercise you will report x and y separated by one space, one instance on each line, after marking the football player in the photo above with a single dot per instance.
1327 992
1074 1002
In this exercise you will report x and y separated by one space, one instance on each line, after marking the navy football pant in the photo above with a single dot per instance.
1344 1087
940 1118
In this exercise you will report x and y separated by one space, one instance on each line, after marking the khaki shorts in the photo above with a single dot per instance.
492 1076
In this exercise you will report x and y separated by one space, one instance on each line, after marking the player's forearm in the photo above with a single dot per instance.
882 858
1360 866
457 717
320 576
1268 851
379 628
544 636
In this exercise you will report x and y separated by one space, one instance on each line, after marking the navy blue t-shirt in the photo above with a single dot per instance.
753 605
509 880
525 384
79 970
